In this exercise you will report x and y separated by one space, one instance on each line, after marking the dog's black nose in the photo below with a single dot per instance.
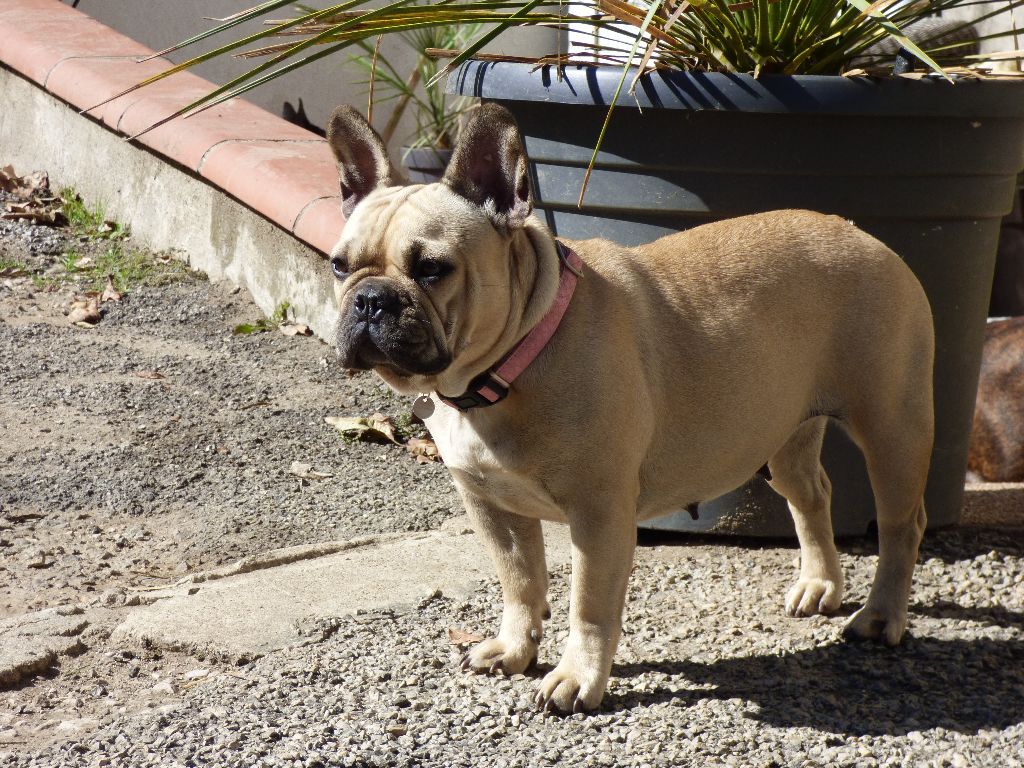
373 301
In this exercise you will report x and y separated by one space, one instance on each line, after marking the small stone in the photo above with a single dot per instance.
37 558
165 687
77 725
112 597
397 730
197 674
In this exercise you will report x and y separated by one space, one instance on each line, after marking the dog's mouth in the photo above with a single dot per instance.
364 346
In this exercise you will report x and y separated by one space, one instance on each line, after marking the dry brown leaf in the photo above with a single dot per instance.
36 212
85 309
110 292
306 471
150 375
376 428
294 329
461 638
7 177
423 449
33 185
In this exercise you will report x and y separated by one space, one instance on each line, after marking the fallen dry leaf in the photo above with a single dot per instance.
110 292
85 309
376 428
294 329
14 272
306 471
423 450
150 375
40 212
32 185
461 638
7 177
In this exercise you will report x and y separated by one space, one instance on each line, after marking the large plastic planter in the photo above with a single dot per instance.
926 166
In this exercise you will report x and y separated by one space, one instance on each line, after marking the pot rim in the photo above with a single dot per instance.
594 85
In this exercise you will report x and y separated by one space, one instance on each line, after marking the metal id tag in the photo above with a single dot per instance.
423 407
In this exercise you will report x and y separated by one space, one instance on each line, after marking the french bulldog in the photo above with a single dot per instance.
674 371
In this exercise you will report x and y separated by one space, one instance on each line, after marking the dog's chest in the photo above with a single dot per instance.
487 468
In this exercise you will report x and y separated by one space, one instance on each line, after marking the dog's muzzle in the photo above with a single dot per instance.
381 325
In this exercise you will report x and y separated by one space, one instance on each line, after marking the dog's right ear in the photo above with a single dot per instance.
362 157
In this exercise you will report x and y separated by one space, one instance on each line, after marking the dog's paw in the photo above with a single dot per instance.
569 690
496 656
809 597
873 624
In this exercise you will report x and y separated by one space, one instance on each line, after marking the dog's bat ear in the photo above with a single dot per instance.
489 167
362 157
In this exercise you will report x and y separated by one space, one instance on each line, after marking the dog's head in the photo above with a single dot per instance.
423 271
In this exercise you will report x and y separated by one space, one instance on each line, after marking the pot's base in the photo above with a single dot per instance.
754 509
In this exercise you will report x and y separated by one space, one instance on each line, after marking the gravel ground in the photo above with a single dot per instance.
110 480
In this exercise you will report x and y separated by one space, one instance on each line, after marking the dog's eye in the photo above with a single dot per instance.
339 267
431 270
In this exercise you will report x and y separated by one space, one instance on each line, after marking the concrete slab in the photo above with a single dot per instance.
239 617
32 643
993 505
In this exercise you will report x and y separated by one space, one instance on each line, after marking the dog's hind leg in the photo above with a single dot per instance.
797 475
897 451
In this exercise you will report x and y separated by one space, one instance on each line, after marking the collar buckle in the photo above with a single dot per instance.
486 389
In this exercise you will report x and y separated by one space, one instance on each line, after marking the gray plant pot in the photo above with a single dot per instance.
425 165
926 166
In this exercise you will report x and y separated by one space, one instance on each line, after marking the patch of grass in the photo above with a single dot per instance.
128 267
91 223
277 318
46 282
13 264
79 216
69 261
406 426
131 268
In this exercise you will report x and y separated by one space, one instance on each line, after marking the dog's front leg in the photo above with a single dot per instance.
602 557
516 546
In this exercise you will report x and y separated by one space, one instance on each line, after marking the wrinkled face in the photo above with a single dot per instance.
423 271
419 277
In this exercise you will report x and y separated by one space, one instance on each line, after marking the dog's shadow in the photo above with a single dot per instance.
858 688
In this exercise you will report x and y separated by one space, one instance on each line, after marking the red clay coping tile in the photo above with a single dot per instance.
282 171
318 223
270 176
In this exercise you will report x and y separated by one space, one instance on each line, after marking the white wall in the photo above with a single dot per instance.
321 85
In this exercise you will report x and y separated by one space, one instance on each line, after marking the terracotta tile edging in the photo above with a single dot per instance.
81 62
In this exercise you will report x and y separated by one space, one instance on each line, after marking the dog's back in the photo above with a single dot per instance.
997 440
748 327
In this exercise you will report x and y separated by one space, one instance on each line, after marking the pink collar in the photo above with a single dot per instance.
492 386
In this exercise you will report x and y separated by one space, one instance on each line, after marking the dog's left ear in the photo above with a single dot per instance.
362 157
488 167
